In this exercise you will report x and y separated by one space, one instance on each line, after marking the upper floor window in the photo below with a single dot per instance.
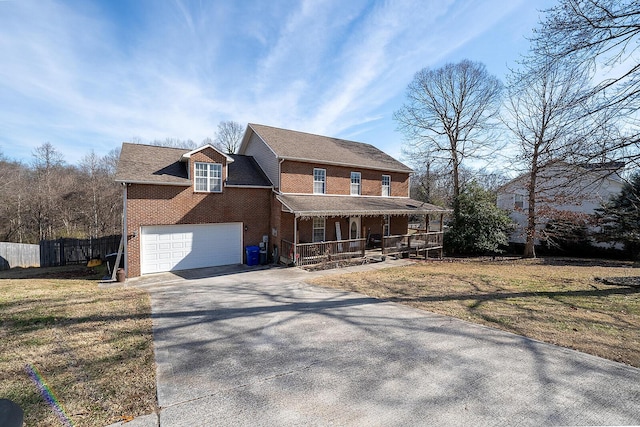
519 201
355 183
386 185
208 177
319 181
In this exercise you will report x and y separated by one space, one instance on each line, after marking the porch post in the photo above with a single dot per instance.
441 235
426 230
295 240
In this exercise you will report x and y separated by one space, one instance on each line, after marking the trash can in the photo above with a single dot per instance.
111 262
253 255
263 256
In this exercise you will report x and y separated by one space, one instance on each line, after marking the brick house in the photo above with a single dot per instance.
305 197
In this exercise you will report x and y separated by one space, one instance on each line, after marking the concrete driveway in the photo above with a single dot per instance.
263 348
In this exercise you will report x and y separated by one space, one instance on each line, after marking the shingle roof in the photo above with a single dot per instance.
319 205
294 145
245 171
150 164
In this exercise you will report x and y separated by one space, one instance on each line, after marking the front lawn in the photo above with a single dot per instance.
591 306
91 347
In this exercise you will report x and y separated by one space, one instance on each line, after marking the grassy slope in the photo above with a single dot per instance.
93 347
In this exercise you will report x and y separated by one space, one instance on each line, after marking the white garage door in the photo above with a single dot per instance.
181 247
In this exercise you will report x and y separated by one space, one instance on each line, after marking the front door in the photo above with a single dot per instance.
354 227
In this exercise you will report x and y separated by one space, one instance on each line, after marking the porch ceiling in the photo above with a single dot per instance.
330 205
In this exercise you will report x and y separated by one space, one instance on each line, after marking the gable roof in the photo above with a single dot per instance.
188 155
307 147
150 164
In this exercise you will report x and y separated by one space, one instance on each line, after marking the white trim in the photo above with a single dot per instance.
314 228
324 181
246 186
209 176
246 138
186 156
338 195
187 183
351 184
382 186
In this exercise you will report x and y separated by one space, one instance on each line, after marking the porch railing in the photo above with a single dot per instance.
316 253
420 244
417 243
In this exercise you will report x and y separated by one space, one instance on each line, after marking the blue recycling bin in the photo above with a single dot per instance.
253 255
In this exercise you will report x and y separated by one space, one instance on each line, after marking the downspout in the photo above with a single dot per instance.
125 229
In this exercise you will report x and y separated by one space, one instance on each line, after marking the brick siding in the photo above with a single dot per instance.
168 205
297 177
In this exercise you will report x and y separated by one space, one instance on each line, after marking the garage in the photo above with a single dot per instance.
187 246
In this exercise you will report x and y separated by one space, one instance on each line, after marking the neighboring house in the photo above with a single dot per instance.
565 192
290 190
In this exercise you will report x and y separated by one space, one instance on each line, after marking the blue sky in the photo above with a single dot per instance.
89 75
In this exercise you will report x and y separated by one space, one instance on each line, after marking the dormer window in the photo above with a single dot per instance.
319 181
208 177
386 185
355 183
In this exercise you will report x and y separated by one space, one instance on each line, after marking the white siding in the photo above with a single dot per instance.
266 158
559 190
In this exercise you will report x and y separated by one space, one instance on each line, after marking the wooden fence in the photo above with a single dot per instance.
76 251
18 255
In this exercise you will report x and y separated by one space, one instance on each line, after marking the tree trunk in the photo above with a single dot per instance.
530 231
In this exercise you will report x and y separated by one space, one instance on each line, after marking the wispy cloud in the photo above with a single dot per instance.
91 75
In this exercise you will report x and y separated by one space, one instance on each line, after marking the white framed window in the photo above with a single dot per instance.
386 185
319 181
318 229
355 183
208 177
519 202
386 227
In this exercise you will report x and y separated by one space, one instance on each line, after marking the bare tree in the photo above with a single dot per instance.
228 136
449 114
544 111
603 36
48 182
175 143
13 192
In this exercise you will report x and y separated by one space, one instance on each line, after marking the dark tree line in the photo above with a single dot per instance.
49 199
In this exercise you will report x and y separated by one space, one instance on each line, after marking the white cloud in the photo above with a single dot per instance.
79 77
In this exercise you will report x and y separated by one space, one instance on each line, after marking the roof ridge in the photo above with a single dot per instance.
316 134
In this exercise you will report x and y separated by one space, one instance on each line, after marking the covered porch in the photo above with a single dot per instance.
327 228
